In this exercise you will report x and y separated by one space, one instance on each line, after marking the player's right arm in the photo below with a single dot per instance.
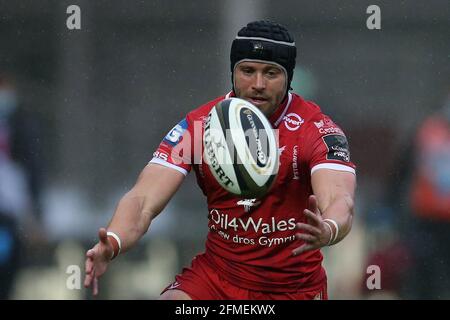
134 213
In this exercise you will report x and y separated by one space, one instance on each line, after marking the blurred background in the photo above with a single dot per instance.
82 111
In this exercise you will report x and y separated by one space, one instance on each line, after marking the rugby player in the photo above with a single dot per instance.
266 248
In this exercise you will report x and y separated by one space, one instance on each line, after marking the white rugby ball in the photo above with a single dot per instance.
240 148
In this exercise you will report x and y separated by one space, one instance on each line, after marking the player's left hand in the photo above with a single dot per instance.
314 233
97 261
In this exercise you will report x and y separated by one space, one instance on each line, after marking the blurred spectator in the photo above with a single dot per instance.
412 229
16 181
430 203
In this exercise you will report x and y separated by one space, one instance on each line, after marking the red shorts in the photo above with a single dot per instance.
201 282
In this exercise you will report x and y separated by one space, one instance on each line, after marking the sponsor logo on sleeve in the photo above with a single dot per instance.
174 136
161 155
331 130
319 124
337 147
327 126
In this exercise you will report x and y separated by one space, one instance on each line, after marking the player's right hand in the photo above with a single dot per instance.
97 261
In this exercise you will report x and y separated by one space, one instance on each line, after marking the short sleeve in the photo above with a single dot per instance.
175 150
328 146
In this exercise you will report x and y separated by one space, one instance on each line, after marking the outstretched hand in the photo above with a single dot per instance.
97 260
314 233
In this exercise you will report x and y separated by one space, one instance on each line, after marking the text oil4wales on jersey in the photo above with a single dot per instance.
223 221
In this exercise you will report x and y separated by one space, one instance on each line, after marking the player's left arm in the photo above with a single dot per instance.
330 210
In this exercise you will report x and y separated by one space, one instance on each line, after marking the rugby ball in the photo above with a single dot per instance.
240 148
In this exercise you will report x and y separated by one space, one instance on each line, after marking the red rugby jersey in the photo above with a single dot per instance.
250 240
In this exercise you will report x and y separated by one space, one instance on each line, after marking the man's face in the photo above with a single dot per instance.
262 84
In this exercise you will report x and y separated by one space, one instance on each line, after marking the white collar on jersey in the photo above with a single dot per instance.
282 114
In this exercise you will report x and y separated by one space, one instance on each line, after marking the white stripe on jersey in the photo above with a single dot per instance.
333 166
168 165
